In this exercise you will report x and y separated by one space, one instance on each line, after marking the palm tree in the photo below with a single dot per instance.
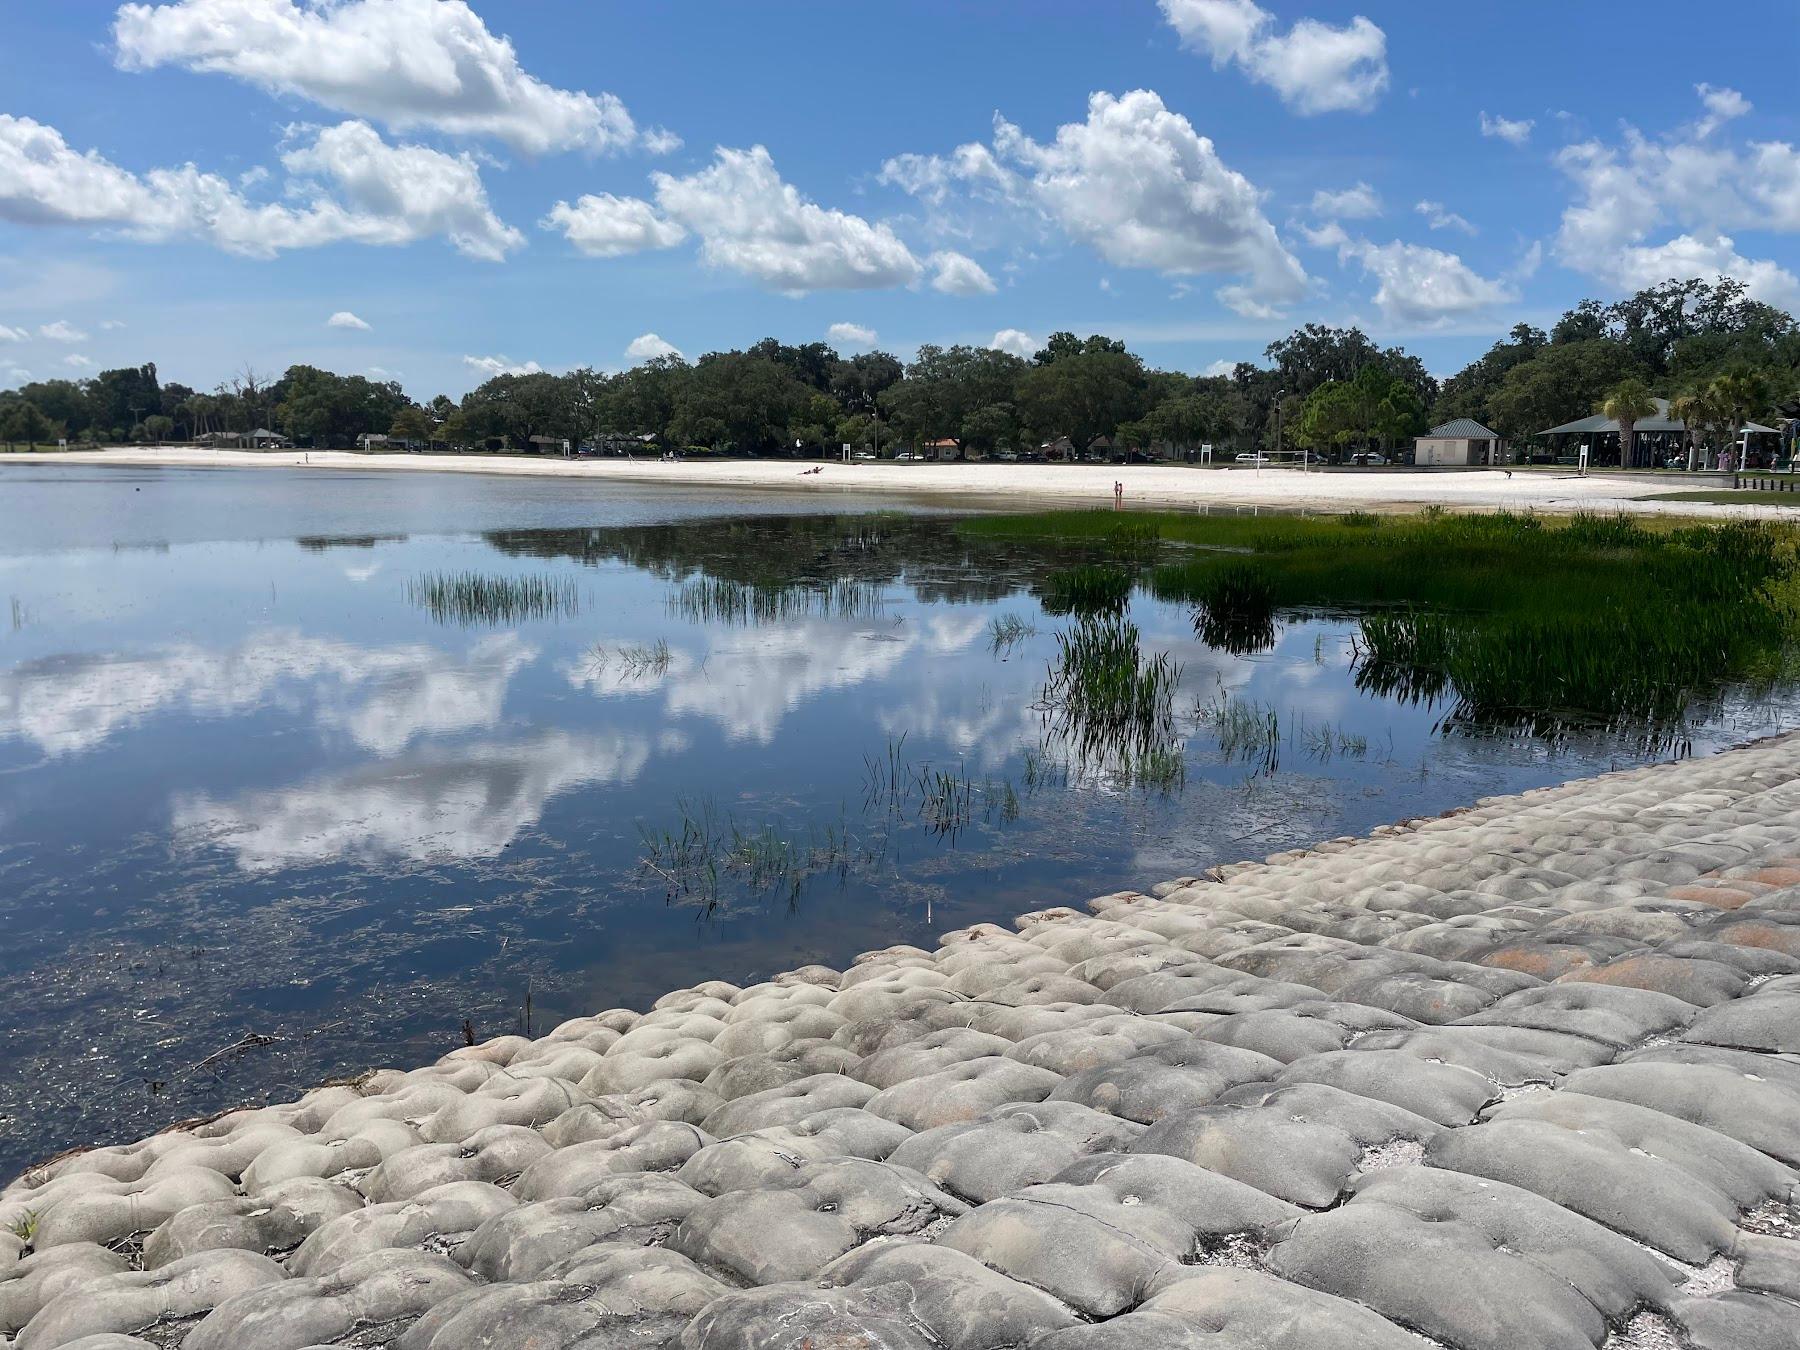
1698 408
1629 401
1740 394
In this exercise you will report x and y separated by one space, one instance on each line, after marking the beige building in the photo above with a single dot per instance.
1462 442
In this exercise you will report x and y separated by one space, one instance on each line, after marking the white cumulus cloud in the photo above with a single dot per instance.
1356 202
345 319
850 335
62 331
1441 217
13 334
959 274
1507 129
752 222
490 366
1141 187
1722 106
346 185
1329 235
931 178
647 346
76 361
604 226
1016 341
1426 286
409 64
1313 67
1648 209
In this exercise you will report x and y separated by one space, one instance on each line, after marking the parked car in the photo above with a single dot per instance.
908 455
1252 457
1369 457
1007 456
863 454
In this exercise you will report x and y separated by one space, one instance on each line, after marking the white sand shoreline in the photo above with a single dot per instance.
985 484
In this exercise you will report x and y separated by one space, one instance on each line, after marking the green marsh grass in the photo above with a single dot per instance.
1104 695
1087 588
1006 631
1512 620
742 603
470 598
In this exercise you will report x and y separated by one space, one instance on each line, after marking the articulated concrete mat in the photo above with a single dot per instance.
1523 1078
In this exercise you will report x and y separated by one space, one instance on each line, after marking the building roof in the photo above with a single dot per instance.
1599 425
1462 429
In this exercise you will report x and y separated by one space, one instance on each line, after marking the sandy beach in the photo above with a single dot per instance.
988 484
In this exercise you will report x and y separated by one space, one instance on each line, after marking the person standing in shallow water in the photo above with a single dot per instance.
1118 494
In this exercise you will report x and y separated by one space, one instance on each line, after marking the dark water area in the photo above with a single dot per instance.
301 773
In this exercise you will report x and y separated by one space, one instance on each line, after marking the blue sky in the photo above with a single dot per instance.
505 183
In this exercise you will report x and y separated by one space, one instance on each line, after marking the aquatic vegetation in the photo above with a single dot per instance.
942 801
946 800
1088 588
470 598
1322 741
1515 620
722 601
714 858
1246 731
1234 610
634 662
1006 631
1133 542
1103 694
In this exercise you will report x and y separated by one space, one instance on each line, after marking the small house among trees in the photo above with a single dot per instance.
1461 441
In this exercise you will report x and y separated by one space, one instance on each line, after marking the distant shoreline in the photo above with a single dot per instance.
990 484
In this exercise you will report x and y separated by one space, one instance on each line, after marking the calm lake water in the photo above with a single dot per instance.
267 771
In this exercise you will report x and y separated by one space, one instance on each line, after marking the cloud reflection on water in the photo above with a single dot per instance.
749 682
72 703
435 804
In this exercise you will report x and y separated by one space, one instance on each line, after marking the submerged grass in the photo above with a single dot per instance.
470 598
713 858
646 660
1522 621
740 603
1006 631
1088 588
1105 695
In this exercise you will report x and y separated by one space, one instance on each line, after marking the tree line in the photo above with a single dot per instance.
1721 356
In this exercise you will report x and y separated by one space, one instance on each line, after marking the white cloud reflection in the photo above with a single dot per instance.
382 697
438 803
749 682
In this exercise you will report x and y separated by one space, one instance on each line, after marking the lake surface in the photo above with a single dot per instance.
357 761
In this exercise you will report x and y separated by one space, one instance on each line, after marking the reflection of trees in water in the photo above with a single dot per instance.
768 568
324 543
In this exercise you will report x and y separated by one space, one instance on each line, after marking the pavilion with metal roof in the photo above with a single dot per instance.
1655 439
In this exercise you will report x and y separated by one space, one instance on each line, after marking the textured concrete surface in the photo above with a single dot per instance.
1525 1076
